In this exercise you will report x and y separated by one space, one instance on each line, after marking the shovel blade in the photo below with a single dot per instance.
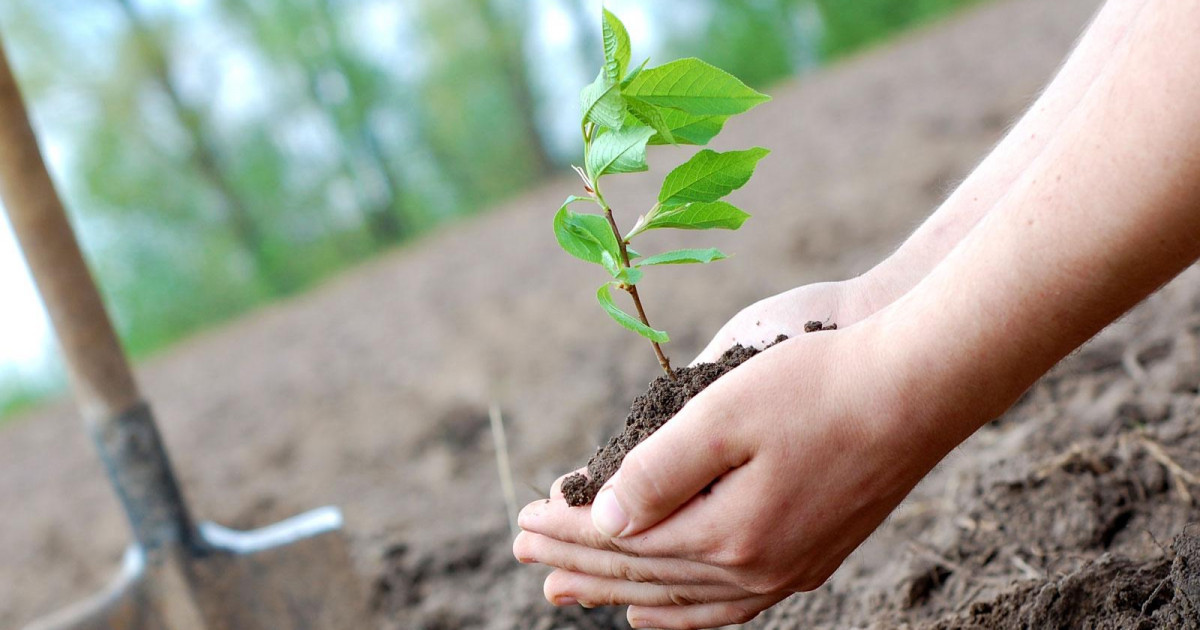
120 606
297 574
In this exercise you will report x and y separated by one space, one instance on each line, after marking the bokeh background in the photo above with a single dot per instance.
218 155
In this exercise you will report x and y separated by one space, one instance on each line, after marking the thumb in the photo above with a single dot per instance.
665 471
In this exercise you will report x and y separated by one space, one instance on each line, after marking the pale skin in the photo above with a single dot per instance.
1088 205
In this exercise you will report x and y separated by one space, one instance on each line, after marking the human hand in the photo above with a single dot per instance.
842 303
810 446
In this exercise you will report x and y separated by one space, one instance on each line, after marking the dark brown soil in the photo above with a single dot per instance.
665 397
1111 591
815 326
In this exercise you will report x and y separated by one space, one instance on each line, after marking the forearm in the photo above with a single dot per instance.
980 192
1106 214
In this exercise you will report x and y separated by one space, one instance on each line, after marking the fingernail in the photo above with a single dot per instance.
519 549
607 515
565 600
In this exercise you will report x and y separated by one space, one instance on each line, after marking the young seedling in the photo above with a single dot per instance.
684 102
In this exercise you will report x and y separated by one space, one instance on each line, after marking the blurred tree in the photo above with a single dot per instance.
345 90
204 156
753 39
853 24
507 27
470 114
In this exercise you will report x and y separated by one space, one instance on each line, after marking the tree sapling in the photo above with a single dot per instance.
684 102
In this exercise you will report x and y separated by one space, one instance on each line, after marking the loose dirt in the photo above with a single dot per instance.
649 412
372 392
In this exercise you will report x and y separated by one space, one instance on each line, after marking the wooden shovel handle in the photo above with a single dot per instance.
99 373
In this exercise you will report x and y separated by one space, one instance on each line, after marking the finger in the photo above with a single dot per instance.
530 547
701 531
592 591
556 520
670 467
697 616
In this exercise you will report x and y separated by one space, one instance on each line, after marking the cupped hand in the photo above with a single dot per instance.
842 303
807 448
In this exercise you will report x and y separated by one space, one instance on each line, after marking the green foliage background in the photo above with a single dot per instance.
193 212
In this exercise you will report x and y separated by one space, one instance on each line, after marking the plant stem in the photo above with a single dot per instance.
663 361
662 358
632 289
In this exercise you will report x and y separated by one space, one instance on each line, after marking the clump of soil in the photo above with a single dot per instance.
1112 591
818 326
651 410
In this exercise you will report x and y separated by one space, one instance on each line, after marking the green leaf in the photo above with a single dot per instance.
617 49
620 273
694 216
709 176
602 103
696 88
633 74
688 129
650 115
587 237
604 296
684 256
610 263
618 151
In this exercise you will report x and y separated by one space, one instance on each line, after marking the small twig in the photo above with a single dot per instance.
1133 367
969 598
934 556
506 483
1154 595
1075 454
1179 475
1025 568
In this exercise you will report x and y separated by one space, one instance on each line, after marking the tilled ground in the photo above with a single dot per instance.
371 392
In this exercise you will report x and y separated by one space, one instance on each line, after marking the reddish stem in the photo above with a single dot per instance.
633 292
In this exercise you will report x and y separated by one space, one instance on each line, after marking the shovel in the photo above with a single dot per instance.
176 575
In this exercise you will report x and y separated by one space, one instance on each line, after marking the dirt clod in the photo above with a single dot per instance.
816 326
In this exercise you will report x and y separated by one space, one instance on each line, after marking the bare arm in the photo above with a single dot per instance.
849 302
977 195
1107 213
